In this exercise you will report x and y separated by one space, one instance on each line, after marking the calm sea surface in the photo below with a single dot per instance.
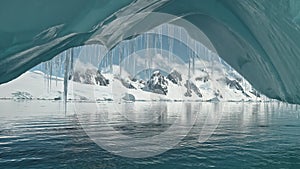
40 134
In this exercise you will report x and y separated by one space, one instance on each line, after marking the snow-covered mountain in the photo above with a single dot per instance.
203 83
157 84
90 76
202 86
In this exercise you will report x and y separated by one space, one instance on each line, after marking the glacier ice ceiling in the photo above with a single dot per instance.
258 38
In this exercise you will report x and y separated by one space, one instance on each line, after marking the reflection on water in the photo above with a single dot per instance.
138 130
221 135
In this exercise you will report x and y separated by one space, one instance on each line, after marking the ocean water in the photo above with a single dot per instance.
40 134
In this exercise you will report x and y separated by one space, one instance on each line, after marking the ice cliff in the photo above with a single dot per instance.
260 39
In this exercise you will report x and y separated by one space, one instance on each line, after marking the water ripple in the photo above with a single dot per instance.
246 141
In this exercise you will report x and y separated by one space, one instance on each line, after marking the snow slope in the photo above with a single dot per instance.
204 85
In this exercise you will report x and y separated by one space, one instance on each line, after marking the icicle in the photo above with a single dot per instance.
56 63
60 64
88 50
71 63
171 41
194 55
50 62
133 66
211 62
156 42
127 48
130 58
146 44
150 44
99 53
112 61
66 75
146 71
94 55
110 55
135 47
189 72
105 63
120 57
161 41
43 70
132 43
189 55
47 75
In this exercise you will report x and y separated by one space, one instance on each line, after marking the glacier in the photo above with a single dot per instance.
259 39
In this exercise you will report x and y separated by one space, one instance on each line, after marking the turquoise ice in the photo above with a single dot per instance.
260 39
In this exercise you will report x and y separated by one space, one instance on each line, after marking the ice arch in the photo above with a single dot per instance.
260 39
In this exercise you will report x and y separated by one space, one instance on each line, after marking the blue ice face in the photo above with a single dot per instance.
260 39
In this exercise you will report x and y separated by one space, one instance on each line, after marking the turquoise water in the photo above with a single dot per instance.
248 135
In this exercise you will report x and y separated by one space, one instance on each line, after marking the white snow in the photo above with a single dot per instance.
32 85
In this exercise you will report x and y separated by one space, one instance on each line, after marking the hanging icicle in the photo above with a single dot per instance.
170 41
71 63
50 74
120 57
66 75
211 62
194 55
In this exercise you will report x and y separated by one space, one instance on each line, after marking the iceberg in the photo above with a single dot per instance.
259 39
